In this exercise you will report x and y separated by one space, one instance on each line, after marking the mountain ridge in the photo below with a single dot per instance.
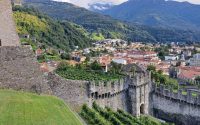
182 15
101 26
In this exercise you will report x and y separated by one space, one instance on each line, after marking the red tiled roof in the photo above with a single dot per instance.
142 52
189 72
39 51
104 60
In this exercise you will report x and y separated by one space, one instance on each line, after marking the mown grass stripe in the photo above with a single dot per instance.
20 108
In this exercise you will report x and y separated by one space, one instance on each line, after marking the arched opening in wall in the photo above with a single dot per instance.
142 109
109 95
92 94
102 96
0 43
96 95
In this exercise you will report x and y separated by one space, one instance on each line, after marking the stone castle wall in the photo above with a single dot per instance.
119 94
73 92
112 94
76 93
122 94
176 107
190 97
139 88
8 35
19 70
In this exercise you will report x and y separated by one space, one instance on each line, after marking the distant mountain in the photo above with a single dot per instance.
100 26
100 6
160 13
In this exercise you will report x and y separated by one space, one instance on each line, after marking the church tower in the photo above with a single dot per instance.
8 35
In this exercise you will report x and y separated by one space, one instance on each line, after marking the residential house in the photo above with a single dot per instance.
195 60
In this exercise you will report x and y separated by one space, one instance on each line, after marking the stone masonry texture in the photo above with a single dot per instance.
8 35
73 92
19 70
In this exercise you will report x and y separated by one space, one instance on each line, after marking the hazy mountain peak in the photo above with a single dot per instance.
162 13
88 3
100 6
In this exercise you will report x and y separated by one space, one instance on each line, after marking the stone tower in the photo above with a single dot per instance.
139 89
8 35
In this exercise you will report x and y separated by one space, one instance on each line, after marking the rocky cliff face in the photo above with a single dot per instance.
8 35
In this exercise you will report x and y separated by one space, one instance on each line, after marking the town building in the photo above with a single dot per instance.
120 61
185 72
171 57
195 60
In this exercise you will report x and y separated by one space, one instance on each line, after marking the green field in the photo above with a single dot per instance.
18 108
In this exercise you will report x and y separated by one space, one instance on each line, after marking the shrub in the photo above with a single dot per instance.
65 56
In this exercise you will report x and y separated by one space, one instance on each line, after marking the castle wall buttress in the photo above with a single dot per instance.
8 35
19 70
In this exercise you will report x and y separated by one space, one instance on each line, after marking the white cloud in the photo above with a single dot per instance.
191 1
85 3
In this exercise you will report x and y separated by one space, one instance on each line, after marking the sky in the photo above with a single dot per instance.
85 3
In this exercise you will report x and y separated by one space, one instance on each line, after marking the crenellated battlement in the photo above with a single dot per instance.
130 93
140 79
190 97
99 89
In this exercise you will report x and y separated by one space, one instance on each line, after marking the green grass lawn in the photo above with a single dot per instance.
18 108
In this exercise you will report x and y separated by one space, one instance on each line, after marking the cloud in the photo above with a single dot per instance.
85 3
191 1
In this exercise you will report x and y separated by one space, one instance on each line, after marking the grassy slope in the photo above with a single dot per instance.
17 108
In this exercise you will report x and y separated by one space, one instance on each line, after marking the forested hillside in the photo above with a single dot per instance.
100 26
63 35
